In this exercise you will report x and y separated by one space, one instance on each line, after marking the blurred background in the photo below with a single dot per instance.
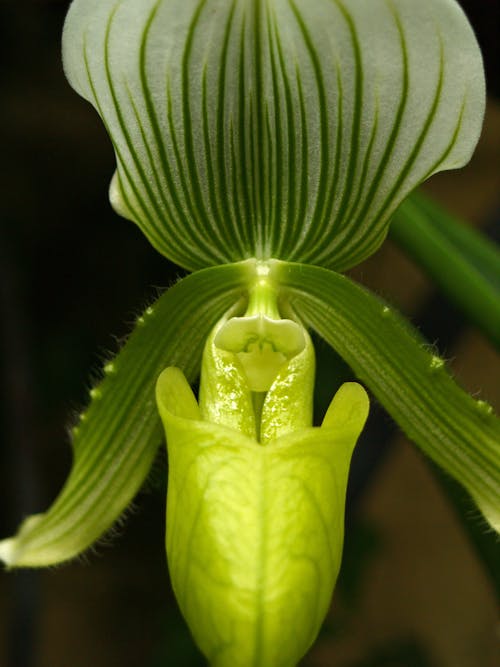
73 276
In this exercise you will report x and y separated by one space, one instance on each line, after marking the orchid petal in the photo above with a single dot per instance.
255 532
117 438
275 128
460 434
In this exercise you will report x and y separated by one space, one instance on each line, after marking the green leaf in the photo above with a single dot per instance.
255 532
275 128
463 263
460 434
117 438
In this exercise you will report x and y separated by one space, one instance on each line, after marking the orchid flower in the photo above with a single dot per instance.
264 146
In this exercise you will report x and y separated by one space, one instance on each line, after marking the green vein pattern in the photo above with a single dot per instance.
117 438
460 434
275 128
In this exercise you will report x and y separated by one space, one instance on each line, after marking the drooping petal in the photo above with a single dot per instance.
460 434
275 128
117 438
254 533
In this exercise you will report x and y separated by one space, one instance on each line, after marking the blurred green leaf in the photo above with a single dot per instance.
461 261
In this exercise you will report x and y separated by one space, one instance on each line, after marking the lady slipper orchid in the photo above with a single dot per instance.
256 495
264 145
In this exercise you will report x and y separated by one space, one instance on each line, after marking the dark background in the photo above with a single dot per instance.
73 276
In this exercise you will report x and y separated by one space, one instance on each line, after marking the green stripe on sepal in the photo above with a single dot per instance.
460 434
255 532
117 438
275 128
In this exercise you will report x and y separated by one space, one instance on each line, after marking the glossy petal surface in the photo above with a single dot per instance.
254 533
